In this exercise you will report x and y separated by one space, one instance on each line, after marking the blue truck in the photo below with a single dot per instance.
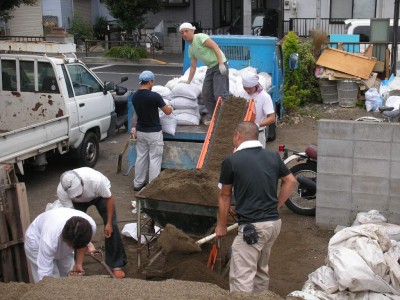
182 150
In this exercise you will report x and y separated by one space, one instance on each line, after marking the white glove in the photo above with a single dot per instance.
258 125
222 69
184 81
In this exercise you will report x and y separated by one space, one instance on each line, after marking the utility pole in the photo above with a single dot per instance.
318 15
393 58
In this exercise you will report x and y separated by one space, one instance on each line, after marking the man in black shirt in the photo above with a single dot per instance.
253 173
146 127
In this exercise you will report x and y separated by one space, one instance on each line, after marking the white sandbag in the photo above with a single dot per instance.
248 69
372 216
393 231
392 257
55 204
191 111
172 83
393 101
183 102
162 90
188 119
265 80
168 123
191 90
233 72
167 101
353 273
324 277
300 295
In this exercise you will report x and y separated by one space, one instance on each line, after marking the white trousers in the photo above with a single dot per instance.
249 263
61 267
149 149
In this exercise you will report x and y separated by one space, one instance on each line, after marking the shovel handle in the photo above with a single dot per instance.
213 236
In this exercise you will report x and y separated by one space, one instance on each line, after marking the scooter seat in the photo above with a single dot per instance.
312 151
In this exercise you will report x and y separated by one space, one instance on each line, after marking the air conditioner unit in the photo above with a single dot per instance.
286 4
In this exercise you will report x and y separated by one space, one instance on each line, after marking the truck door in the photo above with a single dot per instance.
94 108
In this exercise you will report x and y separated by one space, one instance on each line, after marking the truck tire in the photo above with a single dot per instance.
89 150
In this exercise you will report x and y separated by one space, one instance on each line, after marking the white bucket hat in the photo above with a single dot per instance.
186 25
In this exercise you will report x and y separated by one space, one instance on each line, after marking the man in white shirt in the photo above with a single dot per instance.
83 187
265 113
51 239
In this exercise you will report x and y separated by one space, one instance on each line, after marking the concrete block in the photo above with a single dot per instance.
394 170
370 149
394 204
395 152
371 131
370 185
366 202
371 167
334 199
393 217
394 187
333 182
341 148
335 165
396 133
335 129
331 217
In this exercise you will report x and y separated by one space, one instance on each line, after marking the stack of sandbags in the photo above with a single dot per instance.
168 122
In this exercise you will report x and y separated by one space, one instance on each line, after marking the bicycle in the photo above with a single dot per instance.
149 38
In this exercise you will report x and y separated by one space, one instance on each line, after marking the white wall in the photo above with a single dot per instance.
27 21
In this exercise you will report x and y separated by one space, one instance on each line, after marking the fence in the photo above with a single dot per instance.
303 26
15 38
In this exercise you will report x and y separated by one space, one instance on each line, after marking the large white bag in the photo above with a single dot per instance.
188 119
168 123
191 91
183 102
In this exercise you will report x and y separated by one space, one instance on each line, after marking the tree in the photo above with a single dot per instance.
7 6
131 14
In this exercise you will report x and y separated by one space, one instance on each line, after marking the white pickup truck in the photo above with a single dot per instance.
50 102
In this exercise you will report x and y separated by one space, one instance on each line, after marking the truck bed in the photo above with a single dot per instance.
188 133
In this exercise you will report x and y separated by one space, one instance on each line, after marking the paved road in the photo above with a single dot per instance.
115 72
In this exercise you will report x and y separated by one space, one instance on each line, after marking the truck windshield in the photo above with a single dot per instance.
82 81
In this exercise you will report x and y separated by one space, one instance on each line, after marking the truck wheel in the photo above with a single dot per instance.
89 150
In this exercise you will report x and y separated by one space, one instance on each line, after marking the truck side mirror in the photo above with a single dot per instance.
108 86
294 61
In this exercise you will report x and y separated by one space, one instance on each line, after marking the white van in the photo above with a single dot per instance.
363 28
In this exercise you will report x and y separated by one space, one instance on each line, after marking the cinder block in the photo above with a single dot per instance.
374 150
394 189
370 185
395 152
335 165
394 170
340 148
331 217
335 129
371 131
366 202
334 199
334 182
393 217
371 167
394 204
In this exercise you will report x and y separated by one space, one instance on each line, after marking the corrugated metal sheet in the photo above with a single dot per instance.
27 21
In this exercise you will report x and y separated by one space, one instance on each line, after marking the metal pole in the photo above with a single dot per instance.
393 59
318 14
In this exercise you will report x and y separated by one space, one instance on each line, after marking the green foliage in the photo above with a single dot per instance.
127 52
131 14
100 28
301 86
81 29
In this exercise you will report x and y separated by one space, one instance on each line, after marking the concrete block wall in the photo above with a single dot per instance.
358 170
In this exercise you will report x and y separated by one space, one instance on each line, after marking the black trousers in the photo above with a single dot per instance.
115 252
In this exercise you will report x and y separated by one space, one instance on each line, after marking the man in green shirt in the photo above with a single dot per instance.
216 81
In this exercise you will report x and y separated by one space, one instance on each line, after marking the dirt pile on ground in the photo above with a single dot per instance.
101 287
175 240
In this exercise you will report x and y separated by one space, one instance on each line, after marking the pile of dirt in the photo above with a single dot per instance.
175 240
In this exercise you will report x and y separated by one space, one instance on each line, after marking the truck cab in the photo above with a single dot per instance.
51 101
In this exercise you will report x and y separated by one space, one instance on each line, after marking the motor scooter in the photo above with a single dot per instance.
121 95
303 199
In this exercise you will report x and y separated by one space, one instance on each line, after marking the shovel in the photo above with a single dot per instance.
119 167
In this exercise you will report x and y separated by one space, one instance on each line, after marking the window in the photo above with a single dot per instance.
353 9
27 76
47 79
8 75
175 2
83 82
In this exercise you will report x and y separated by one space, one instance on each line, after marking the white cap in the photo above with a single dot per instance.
186 25
249 79
71 182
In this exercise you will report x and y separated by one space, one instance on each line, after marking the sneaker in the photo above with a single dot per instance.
207 119
137 189
118 273
206 122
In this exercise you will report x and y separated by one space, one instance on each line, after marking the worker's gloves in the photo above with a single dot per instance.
222 69
184 81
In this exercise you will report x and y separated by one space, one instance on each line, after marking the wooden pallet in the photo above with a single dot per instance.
14 220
